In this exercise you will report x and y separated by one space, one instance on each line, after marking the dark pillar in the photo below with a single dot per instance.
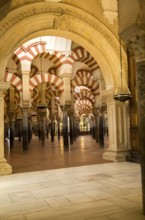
101 131
97 124
12 128
52 127
94 128
25 128
19 129
65 127
77 127
71 127
74 128
42 128
29 129
39 126
58 127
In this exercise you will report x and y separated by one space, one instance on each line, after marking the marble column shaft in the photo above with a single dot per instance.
5 168
71 128
65 129
12 128
101 131
118 131
25 128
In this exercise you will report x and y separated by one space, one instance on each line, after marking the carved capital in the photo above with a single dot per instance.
65 108
62 22
137 46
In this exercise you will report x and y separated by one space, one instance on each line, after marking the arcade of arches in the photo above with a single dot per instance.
59 69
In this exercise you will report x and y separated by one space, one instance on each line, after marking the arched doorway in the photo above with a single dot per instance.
41 18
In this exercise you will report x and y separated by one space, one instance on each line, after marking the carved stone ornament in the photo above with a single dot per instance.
62 22
61 16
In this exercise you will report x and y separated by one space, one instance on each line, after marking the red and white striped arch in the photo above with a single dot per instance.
38 49
14 80
85 79
84 95
31 51
84 106
81 55
47 77
84 73
16 59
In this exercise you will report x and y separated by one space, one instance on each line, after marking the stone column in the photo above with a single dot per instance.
11 113
5 168
52 132
137 44
19 123
58 127
65 126
25 128
118 131
134 152
42 128
29 128
96 114
65 100
74 128
12 128
71 126
101 130
19 129
52 118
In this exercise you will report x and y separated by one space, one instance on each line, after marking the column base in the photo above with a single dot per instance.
116 156
133 156
5 168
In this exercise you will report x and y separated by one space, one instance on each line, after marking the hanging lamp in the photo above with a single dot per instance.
122 92
41 105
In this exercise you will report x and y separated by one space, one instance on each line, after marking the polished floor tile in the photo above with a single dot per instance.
91 192
53 155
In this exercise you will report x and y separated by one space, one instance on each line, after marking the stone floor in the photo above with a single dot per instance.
85 187
84 151
109 191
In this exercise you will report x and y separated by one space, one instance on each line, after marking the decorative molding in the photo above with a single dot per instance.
62 22
63 14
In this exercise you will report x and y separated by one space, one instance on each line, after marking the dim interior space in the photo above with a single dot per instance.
72 109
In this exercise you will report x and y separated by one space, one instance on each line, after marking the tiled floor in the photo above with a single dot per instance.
85 188
83 151
109 191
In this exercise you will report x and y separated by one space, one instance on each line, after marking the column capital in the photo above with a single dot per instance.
136 45
65 75
65 108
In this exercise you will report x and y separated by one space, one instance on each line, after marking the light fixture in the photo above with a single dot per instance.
122 92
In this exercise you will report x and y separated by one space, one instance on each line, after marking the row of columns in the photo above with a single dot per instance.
117 113
98 127
24 128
